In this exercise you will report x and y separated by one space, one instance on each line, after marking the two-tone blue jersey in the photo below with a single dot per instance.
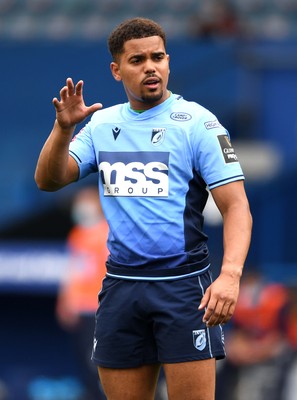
154 169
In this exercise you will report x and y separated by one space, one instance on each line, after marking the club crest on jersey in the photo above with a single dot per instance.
199 339
158 135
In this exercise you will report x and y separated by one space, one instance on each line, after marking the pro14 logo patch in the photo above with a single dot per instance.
227 149
199 339
134 174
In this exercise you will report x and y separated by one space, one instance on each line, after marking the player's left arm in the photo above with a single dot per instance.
220 298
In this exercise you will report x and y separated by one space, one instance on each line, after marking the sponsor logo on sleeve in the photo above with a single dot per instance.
180 116
134 174
227 149
212 124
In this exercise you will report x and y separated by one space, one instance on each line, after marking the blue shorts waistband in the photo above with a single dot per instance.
135 274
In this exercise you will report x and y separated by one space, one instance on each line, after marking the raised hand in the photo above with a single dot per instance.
71 108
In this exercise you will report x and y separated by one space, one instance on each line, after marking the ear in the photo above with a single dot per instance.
168 59
115 70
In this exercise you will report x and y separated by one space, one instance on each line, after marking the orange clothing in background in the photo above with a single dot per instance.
87 257
259 307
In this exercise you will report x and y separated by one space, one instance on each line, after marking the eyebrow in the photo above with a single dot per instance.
142 55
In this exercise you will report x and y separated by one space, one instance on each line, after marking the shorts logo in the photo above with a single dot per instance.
134 174
212 124
158 135
227 149
180 116
199 339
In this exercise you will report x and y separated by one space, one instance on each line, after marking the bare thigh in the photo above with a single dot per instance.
131 383
194 380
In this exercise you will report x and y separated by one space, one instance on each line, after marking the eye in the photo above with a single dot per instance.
159 57
135 60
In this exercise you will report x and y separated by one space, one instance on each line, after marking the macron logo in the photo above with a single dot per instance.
116 131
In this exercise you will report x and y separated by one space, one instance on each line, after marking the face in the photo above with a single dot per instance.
144 70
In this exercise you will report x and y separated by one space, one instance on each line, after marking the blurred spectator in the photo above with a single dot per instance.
291 387
259 354
215 19
77 301
292 316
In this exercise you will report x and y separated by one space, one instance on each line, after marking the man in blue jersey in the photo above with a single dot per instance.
155 156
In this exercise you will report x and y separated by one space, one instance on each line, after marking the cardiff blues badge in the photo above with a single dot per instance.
158 135
199 339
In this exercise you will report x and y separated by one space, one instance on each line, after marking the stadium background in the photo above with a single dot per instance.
244 71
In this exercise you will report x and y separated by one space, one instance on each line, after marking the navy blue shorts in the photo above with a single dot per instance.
144 322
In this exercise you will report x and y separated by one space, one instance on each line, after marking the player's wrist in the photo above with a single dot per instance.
64 129
232 270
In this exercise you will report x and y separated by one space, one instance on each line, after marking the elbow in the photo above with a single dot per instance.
45 186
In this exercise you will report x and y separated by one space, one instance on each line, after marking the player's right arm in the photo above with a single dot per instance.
55 168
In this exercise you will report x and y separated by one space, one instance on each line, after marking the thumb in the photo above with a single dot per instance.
204 300
93 108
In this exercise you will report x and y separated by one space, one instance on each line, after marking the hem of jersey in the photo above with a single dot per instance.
158 278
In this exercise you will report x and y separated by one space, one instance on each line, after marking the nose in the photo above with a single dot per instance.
150 66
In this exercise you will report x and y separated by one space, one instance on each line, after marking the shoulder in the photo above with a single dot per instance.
189 110
104 114
194 113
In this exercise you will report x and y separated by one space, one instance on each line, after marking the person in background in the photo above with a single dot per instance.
77 299
260 354
155 155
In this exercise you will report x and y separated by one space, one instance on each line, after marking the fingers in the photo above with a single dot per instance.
70 86
217 310
79 88
94 107
70 90
71 106
205 300
219 314
56 102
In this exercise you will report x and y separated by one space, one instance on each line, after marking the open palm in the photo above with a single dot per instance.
71 108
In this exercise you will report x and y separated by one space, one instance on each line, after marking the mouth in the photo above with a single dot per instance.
151 83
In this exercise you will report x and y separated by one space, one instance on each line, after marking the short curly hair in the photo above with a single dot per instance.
134 28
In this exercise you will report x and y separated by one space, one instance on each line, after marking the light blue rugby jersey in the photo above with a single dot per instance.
154 168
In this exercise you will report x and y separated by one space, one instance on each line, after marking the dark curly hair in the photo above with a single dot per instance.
134 28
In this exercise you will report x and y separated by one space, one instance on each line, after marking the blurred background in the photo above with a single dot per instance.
239 59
